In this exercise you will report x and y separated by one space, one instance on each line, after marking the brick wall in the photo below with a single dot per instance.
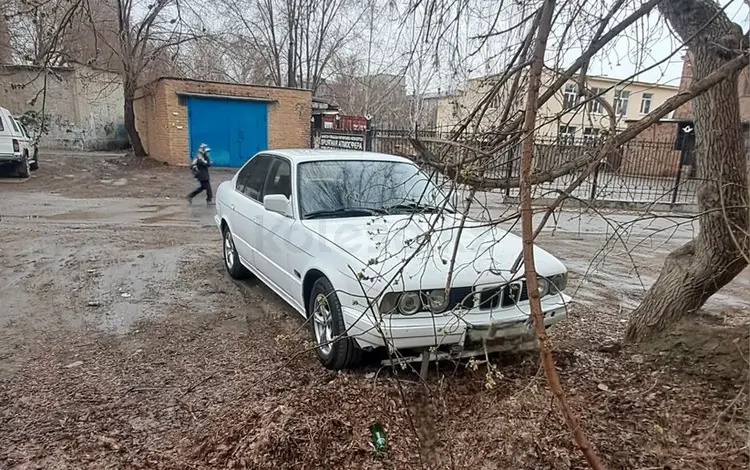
164 119
743 87
651 153
152 122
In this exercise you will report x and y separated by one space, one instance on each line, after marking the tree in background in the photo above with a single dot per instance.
143 38
718 253
296 40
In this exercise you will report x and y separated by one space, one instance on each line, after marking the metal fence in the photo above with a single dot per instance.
637 172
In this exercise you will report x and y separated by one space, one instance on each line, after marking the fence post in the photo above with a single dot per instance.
510 161
509 170
368 136
592 196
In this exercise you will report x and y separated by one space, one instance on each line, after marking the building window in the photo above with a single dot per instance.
455 109
590 135
646 103
570 96
567 134
594 105
621 102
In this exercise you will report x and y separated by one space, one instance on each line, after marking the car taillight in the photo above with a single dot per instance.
16 147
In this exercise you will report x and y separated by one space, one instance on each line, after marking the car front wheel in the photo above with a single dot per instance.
231 258
336 350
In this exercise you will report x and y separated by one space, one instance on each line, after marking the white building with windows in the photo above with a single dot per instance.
568 114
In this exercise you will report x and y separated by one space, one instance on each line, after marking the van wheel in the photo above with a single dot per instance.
23 167
35 164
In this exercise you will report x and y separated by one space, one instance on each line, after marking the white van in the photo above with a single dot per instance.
16 145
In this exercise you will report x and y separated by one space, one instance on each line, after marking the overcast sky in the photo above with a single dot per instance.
643 45
622 64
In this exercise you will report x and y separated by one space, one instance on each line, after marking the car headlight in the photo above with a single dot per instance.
409 303
437 301
543 286
389 304
558 283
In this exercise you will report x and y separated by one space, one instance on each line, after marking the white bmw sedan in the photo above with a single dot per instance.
363 245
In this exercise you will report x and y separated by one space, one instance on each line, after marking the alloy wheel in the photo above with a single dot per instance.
228 249
323 323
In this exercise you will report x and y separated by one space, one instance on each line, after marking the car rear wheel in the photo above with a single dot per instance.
231 258
35 164
23 167
336 350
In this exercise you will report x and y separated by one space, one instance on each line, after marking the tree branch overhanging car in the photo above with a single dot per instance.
360 243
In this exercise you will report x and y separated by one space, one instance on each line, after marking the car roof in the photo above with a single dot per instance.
315 155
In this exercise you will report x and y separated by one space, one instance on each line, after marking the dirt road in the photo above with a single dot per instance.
123 344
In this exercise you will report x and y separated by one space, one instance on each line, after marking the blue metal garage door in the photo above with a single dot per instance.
235 130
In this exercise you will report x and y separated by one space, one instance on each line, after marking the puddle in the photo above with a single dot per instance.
159 219
75 215
14 180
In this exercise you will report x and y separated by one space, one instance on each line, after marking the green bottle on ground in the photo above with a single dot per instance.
379 439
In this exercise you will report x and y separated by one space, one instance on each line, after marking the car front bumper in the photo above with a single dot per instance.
465 329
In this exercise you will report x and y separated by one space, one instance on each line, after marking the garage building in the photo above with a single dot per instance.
174 116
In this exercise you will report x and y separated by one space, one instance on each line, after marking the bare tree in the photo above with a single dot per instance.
296 39
144 37
697 270
718 50
6 51
223 57
41 33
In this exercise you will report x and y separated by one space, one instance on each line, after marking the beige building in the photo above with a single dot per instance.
566 114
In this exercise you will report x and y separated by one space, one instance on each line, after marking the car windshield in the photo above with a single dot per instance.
356 188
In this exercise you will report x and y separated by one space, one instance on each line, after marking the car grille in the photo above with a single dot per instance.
490 298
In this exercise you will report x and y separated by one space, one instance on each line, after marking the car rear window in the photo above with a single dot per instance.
13 123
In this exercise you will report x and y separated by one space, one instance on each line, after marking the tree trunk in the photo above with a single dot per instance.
135 138
6 53
694 272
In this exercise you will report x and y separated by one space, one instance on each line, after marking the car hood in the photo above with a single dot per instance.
485 254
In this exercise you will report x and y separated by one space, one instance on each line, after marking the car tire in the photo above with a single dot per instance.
231 258
35 165
23 167
339 351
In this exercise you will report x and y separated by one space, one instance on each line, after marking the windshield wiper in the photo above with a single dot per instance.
344 212
416 207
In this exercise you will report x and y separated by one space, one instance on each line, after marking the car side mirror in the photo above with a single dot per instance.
278 203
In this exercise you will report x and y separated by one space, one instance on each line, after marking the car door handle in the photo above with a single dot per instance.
232 206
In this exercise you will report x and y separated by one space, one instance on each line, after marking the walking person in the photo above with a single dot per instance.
199 167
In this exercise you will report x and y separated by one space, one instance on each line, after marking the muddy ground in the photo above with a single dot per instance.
124 344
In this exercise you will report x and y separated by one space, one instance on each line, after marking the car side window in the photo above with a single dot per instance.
21 129
252 183
244 173
279 179
2 128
